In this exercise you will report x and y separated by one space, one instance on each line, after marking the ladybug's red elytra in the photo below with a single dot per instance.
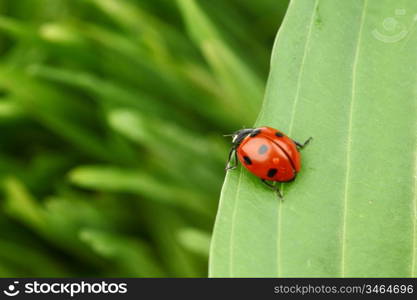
267 153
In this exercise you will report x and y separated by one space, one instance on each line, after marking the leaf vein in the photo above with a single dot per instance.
349 142
290 127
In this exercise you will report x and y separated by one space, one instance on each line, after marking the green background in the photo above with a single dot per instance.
111 121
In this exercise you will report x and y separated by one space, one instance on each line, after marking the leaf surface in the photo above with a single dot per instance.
343 72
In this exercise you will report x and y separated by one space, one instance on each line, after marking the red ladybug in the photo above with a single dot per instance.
267 153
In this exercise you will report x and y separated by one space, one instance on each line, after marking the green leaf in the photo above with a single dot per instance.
164 234
67 117
342 74
175 148
104 89
9 109
22 205
15 28
132 255
231 72
194 240
113 179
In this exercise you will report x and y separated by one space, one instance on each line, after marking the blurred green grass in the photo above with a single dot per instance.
111 121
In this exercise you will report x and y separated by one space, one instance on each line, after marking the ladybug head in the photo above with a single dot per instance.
239 135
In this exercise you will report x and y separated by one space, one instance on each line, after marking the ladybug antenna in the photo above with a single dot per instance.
230 134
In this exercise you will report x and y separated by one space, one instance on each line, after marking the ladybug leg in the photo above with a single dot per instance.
301 146
229 165
274 188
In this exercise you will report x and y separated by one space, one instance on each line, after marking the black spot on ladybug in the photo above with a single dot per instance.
279 134
247 160
263 149
255 132
271 172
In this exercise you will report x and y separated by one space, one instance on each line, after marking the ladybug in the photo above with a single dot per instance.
267 153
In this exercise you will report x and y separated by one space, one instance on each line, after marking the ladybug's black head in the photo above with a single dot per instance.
239 135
